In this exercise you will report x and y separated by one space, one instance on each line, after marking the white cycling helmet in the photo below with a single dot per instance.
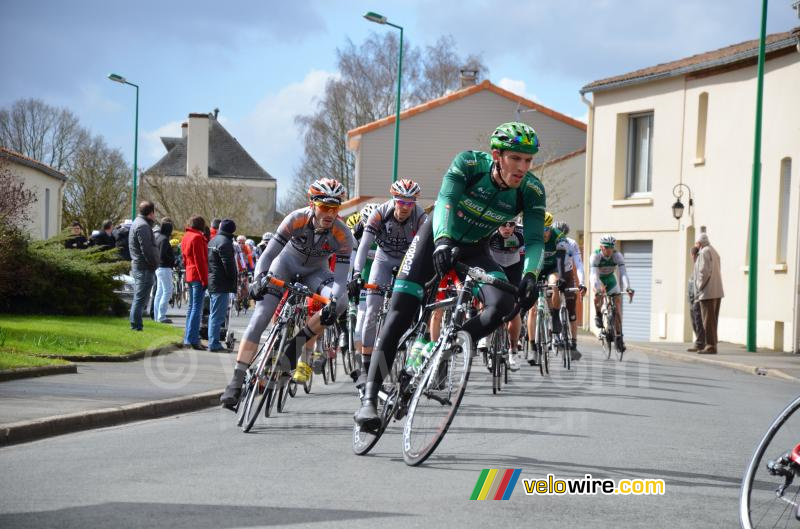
405 188
326 190
608 240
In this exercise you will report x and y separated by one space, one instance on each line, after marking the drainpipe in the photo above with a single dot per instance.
587 206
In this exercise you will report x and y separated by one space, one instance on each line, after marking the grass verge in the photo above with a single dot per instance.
32 336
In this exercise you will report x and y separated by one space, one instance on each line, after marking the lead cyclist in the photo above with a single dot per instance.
480 192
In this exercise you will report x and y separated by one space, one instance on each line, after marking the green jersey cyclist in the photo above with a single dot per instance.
480 192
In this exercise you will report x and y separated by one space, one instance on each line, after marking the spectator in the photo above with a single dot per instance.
166 262
207 234
194 248
708 285
121 236
215 222
221 280
694 310
144 260
104 239
76 240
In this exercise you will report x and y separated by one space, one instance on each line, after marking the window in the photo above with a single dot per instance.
640 154
47 213
783 209
702 118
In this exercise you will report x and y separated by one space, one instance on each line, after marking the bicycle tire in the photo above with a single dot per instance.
257 397
292 388
608 335
756 463
331 364
496 356
419 441
566 338
307 385
283 396
543 346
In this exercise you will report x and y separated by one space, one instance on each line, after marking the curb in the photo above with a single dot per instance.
30 372
745 368
25 431
137 355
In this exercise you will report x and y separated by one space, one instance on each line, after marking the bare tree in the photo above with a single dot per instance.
365 91
99 185
45 133
181 197
15 198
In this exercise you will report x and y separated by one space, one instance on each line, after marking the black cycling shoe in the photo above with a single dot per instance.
230 398
367 415
598 321
620 344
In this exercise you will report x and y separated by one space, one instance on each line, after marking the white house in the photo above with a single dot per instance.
685 128
431 134
47 183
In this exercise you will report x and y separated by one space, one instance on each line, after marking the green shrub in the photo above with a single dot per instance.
43 277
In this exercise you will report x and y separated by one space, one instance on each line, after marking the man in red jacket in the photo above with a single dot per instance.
194 248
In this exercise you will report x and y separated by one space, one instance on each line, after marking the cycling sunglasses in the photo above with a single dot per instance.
401 202
326 207
509 224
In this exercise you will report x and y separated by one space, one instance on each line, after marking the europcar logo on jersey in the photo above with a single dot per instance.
496 484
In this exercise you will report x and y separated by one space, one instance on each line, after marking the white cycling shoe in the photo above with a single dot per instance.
512 361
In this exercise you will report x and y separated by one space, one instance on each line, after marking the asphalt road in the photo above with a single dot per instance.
692 425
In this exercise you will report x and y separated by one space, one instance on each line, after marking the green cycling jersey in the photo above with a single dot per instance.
470 206
554 248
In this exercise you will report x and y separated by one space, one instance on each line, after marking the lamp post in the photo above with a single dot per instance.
755 195
677 207
380 19
119 79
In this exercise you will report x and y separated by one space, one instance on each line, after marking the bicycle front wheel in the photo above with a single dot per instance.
769 498
436 399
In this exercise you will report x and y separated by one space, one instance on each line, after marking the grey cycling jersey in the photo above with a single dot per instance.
297 237
392 236
573 259
507 251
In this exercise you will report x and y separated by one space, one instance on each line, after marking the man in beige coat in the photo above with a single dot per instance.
708 288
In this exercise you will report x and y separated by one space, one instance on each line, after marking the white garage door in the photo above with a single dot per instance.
636 315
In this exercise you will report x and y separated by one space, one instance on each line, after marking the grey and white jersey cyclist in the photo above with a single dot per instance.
393 238
297 247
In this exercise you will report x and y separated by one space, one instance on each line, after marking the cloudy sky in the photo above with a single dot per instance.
263 62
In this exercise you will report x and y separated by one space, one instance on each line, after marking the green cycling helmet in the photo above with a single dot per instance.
515 136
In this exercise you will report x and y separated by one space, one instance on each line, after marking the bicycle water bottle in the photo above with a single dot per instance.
417 354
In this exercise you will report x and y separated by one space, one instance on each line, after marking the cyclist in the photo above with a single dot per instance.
392 226
572 261
479 192
555 250
507 245
302 245
604 262
246 252
264 242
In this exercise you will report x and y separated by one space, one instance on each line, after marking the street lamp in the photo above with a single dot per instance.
677 207
119 79
380 19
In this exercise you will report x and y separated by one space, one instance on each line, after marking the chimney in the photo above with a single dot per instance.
197 145
216 113
184 129
468 78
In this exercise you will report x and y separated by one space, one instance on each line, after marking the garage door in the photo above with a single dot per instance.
636 315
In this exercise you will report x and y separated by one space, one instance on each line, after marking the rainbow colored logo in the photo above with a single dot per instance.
496 484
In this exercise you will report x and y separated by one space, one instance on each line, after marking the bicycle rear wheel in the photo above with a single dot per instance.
255 401
436 399
760 504
608 337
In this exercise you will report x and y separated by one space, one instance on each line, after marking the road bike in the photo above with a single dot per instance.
267 379
563 344
608 334
543 329
769 493
177 288
429 395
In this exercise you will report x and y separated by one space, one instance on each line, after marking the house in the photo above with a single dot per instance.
685 129
208 150
432 134
47 183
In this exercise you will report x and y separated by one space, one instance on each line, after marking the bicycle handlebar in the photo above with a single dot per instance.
283 284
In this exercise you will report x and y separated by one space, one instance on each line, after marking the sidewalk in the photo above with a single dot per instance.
102 394
785 366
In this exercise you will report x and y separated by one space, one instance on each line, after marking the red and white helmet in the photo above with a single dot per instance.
405 188
327 190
